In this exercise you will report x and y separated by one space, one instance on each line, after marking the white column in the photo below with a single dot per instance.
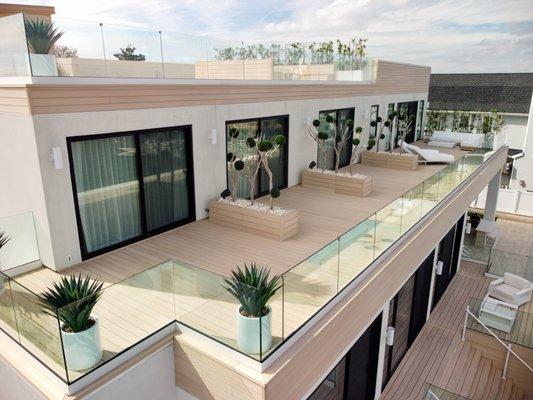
491 200
382 348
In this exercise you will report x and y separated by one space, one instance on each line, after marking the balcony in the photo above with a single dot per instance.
177 277
92 49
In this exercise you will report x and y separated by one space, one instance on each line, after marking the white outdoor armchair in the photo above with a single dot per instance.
511 289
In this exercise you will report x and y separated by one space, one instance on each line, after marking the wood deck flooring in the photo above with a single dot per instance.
439 357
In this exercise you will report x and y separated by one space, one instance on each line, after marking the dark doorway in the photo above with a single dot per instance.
445 254
421 297
407 110
361 365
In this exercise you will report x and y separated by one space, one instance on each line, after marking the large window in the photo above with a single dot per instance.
130 185
339 116
374 113
269 127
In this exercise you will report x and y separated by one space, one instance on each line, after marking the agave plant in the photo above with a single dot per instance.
73 299
253 288
41 35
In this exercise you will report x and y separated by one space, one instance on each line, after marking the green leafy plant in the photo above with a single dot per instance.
128 54
73 299
253 288
41 35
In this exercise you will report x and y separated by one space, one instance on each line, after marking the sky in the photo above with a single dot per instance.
449 36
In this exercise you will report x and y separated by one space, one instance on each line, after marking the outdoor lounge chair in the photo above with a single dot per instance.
511 289
428 155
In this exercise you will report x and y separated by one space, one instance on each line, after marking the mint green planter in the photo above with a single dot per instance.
250 339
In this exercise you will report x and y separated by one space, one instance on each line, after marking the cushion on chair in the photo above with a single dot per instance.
515 281
505 291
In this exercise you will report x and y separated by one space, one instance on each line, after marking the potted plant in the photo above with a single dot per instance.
72 301
3 241
253 288
41 36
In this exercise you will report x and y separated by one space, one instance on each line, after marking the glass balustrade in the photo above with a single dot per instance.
136 308
22 247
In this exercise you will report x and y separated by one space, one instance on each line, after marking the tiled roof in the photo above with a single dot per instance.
481 92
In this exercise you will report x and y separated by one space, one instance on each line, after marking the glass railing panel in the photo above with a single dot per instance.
14 59
309 286
79 52
356 250
430 190
446 182
22 248
186 56
388 225
125 314
8 323
228 312
38 328
411 208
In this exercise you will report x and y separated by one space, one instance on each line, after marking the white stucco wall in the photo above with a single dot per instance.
209 160
21 188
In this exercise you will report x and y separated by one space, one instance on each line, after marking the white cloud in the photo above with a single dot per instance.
449 35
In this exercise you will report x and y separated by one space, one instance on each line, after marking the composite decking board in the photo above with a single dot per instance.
439 357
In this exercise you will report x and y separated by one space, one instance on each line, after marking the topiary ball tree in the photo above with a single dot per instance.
250 142
264 145
323 136
371 143
274 194
316 123
230 157
359 129
238 165
280 140
356 142
234 133
329 119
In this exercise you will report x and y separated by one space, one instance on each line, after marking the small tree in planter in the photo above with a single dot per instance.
235 165
72 301
320 138
340 139
393 119
253 288
265 149
405 124
251 167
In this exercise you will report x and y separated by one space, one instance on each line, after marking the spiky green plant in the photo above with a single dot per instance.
73 299
253 288
41 35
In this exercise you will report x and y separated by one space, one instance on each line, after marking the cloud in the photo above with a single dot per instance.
449 35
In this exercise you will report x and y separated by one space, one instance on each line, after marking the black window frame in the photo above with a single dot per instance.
145 233
337 124
285 153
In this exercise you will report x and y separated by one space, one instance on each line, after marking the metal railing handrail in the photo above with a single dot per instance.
508 347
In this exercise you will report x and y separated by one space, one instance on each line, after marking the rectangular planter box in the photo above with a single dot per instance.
390 160
353 186
279 227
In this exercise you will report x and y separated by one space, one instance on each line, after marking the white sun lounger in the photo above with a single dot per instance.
428 155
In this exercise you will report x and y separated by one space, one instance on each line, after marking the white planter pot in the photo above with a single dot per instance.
83 350
43 65
249 335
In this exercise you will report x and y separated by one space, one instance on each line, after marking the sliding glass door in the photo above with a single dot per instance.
164 162
129 185
269 127
339 116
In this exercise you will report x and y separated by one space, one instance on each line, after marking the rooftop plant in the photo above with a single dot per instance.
253 288
128 53
41 35
72 300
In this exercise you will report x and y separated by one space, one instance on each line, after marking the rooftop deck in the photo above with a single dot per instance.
324 216
135 305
